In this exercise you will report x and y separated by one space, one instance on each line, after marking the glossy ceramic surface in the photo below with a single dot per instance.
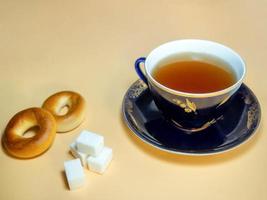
230 128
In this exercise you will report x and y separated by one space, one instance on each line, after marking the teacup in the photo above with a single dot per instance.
191 111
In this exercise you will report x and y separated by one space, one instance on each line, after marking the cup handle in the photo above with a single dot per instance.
138 69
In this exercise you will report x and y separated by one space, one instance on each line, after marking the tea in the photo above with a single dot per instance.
193 76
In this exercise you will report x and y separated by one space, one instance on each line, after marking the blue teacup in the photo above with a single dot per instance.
191 111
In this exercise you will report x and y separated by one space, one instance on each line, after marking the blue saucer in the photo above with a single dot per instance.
233 127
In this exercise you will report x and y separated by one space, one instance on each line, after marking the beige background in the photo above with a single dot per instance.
90 47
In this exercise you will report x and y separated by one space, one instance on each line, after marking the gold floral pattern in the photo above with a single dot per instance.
137 89
252 115
188 105
195 130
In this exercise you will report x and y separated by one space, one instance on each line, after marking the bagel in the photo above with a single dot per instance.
74 104
20 146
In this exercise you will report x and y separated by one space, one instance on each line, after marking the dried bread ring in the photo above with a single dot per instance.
20 146
74 104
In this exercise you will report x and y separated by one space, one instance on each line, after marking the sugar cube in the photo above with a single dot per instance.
77 154
74 173
90 143
100 163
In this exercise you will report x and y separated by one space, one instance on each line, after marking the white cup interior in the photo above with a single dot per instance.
191 49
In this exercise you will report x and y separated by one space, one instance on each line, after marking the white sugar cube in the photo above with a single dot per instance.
74 173
77 154
100 162
90 143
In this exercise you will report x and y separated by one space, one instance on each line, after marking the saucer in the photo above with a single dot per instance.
236 125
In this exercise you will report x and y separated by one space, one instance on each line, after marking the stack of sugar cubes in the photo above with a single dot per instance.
89 150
